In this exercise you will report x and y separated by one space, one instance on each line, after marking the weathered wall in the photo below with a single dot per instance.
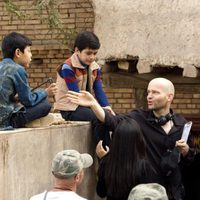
26 155
159 32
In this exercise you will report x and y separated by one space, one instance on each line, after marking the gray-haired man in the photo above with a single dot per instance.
67 168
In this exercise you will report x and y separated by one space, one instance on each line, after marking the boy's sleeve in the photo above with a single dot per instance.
69 76
98 90
27 98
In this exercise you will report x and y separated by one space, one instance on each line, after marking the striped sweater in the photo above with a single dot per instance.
74 75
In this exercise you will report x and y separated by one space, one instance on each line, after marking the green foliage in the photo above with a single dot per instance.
47 12
13 9
50 6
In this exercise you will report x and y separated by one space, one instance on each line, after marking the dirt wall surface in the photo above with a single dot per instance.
26 156
159 32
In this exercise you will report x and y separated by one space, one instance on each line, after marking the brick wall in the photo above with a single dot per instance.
45 61
75 16
186 103
123 100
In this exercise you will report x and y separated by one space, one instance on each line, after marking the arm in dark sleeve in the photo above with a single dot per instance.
26 97
98 90
111 121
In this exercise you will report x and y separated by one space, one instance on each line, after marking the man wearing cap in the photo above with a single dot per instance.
67 168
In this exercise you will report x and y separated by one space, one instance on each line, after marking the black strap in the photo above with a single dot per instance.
88 80
45 195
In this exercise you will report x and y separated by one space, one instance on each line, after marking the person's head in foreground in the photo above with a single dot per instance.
67 168
149 191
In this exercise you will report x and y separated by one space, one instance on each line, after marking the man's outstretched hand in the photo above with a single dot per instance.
83 98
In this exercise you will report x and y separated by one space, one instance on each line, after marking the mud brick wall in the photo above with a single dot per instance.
75 16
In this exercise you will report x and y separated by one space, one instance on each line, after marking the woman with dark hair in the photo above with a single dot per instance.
124 165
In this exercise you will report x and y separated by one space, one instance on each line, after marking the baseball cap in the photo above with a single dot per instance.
68 163
149 191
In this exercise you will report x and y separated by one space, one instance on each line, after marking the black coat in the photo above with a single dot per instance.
157 141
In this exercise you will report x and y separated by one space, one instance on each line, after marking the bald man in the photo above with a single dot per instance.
162 129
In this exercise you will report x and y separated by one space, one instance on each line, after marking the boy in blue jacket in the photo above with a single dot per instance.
18 104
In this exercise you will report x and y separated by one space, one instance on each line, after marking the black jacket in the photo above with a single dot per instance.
157 141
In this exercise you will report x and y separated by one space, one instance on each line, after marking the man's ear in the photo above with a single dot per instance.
77 178
17 53
170 97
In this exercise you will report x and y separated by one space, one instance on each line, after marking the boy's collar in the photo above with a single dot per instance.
9 59
76 63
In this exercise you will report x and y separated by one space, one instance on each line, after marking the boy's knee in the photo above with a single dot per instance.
45 108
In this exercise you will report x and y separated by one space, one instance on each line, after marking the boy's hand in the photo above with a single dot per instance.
100 151
52 89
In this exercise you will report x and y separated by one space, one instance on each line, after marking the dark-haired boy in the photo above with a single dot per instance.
18 104
80 72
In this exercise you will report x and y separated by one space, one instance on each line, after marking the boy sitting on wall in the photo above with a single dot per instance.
18 104
80 72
